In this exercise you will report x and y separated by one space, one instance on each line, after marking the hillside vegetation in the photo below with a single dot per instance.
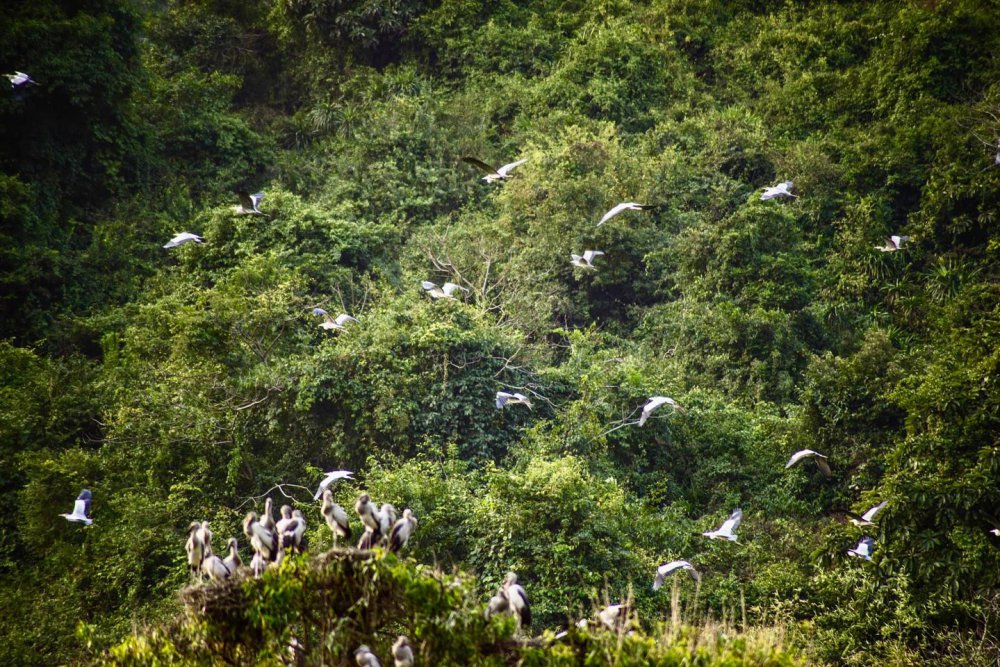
185 384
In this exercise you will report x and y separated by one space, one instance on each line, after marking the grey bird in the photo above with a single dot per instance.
498 604
585 261
504 398
233 560
778 191
19 80
727 531
892 243
182 238
369 540
262 540
498 174
81 509
340 323
335 517
402 531
386 519
655 402
446 291
331 477
267 519
517 598
368 514
248 203
866 518
402 653
625 206
195 548
365 658
864 548
666 569
820 459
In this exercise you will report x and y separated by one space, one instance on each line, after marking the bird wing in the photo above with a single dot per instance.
651 404
823 466
786 185
344 318
870 514
80 508
449 288
502 398
589 255
85 497
427 285
575 258
730 525
319 311
255 199
504 170
479 164
798 456
613 212
246 201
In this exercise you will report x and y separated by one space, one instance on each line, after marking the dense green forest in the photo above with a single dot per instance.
184 384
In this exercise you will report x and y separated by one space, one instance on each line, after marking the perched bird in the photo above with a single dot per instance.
615 617
864 549
267 519
625 206
444 292
587 260
507 398
402 531
365 658
195 548
215 568
285 520
20 80
499 174
866 518
806 453
402 653
331 477
386 519
233 560
368 514
727 531
517 598
498 604
892 243
182 238
248 203
205 535
290 529
262 540
81 509
779 190
653 403
368 541
330 324
335 517
298 530
664 570
258 565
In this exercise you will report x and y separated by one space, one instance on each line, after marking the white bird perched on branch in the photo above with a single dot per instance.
653 403
81 509
215 568
506 398
624 206
20 80
666 569
331 477
386 519
335 517
195 548
444 292
340 323
232 559
498 174
892 243
402 531
182 238
267 519
365 658
780 190
806 453
262 540
586 261
864 548
248 203
402 653
517 599
368 514
727 531
866 518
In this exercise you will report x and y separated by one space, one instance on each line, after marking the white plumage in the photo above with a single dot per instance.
666 569
624 206
727 531
778 191
653 403
182 238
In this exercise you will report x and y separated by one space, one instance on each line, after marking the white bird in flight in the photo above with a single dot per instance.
444 292
864 548
20 80
892 243
806 453
331 477
866 518
507 398
587 260
81 509
499 174
779 190
182 238
727 531
653 403
624 206
333 324
248 203
666 569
